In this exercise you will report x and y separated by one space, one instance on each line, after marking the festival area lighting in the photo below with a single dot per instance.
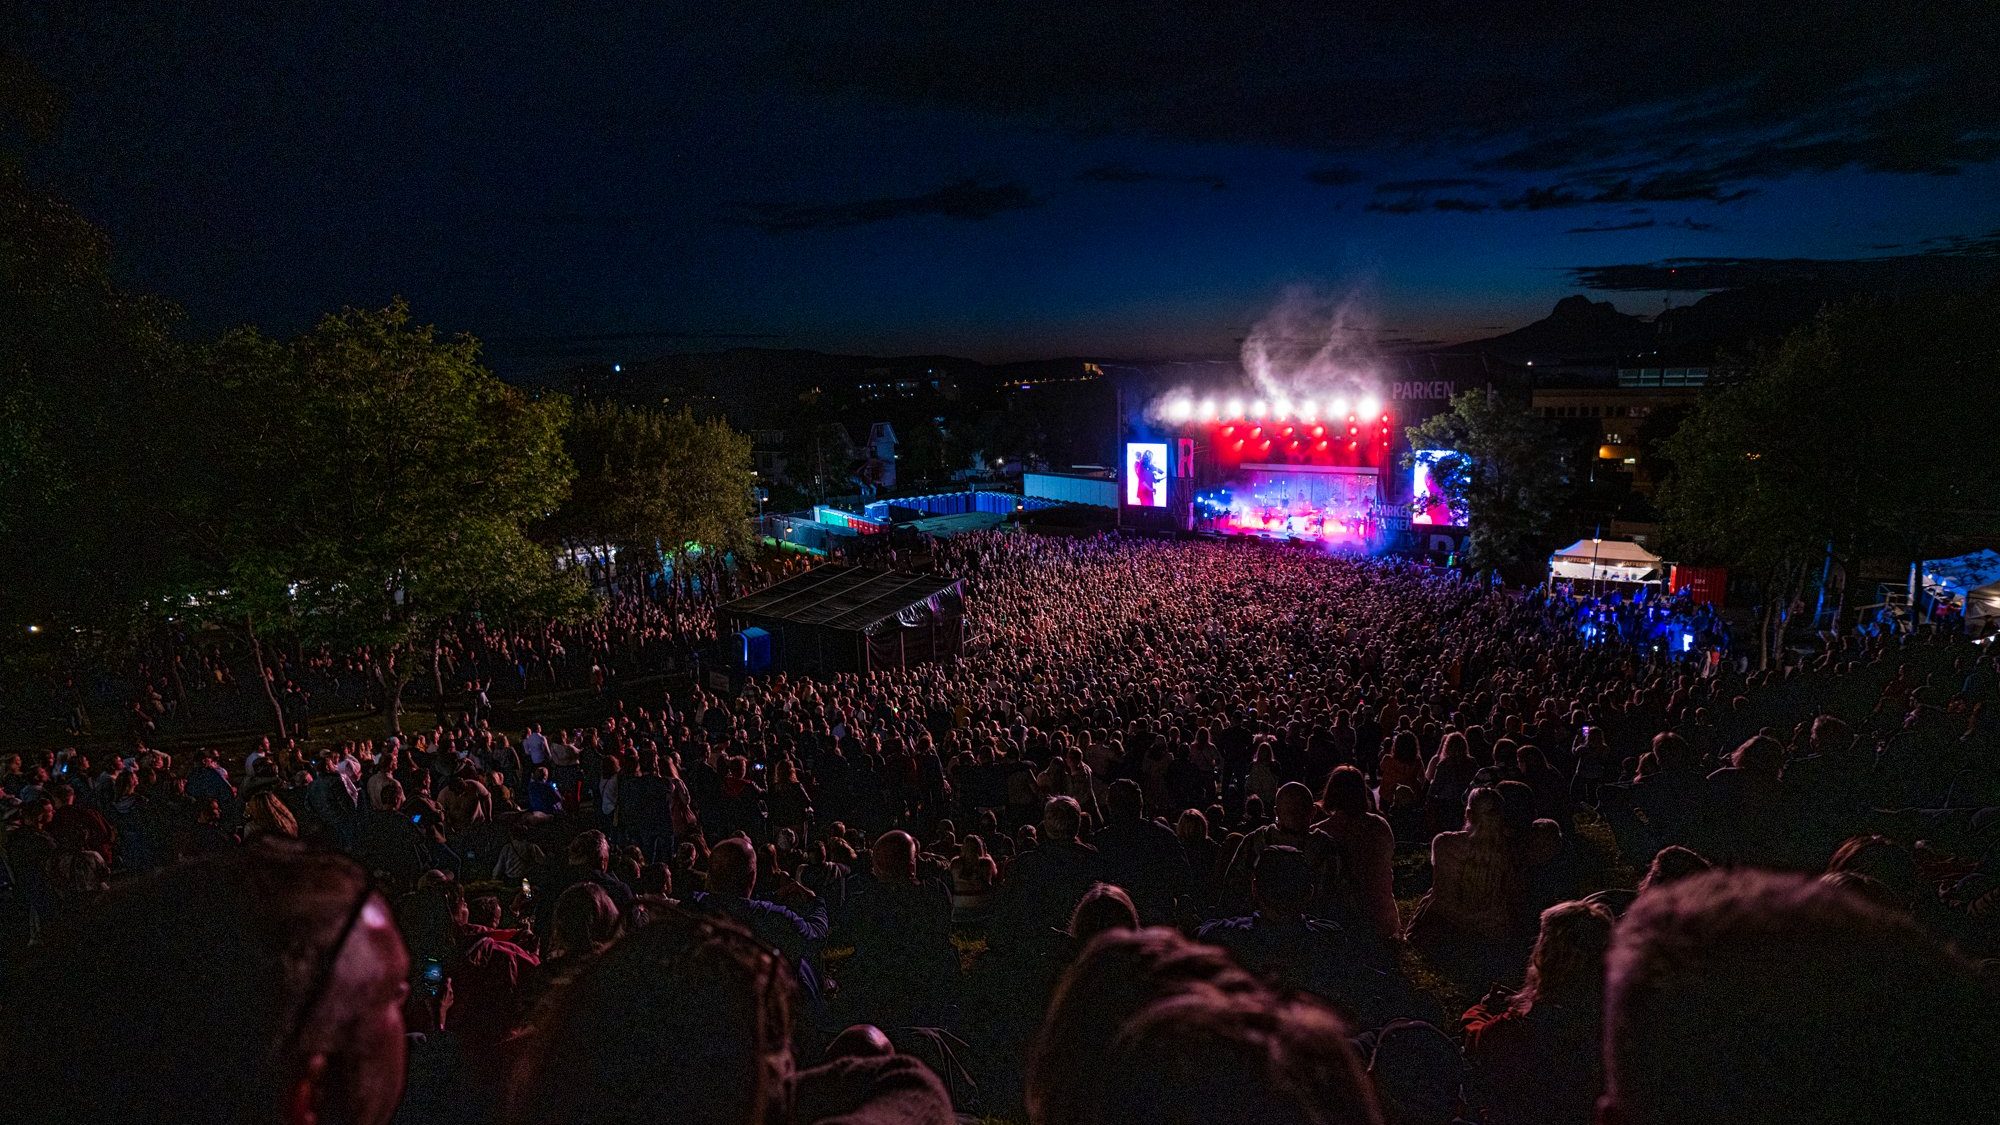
1208 410
1257 409
1179 410
1283 408
1371 405
1309 410
1338 408
1234 409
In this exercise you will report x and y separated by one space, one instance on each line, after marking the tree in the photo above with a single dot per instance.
80 365
1865 433
1502 469
651 485
401 489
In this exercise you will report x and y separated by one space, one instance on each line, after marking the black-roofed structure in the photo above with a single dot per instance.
834 619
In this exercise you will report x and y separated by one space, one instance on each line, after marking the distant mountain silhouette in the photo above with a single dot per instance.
1580 330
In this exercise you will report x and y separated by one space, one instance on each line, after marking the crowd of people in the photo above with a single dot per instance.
182 682
1195 831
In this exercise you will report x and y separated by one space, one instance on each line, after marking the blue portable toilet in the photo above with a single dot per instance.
756 650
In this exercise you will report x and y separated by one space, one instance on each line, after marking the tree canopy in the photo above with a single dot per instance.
1868 431
1501 469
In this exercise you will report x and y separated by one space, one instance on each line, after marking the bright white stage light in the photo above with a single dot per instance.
1283 409
1257 410
1179 410
1309 410
1338 408
1208 410
1370 406
1234 409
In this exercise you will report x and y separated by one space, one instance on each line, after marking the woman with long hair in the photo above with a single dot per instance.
1535 1056
264 816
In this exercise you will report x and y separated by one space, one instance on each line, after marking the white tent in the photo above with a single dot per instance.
1971 581
1605 560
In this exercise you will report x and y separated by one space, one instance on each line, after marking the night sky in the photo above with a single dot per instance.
584 180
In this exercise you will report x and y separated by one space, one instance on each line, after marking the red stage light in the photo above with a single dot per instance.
1385 417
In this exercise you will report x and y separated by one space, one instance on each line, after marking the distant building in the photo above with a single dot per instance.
1610 413
878 464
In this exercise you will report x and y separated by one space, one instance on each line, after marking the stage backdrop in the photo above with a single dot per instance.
1346 489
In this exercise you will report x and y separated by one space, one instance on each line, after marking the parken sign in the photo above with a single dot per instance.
1422 390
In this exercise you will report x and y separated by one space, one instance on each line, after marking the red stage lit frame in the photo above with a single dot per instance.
1303 470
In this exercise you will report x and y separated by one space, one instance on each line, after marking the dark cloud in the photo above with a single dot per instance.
1411 187
1411 205
1643 224
1963 261
1658 189
1607 228
1122 174
965 199
1336 175
1728 95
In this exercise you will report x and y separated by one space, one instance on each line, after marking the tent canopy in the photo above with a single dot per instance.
1973 580
1612 551
848 598
1604 560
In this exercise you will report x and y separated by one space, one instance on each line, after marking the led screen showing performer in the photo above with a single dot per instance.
1428 504
1146 474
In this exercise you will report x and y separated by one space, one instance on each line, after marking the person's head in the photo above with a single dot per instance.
1125 801
732 868
688 1011
1283 882
1889 864
1761 755
1219 1059
1567 966
1673 862
1119 974
1346 792
591 851
268 816
1485 811
586 921
389 797
1830 735
1294 806
1752 996
1062 819
1103 907
894 857
1418 1072
1192 827
273 965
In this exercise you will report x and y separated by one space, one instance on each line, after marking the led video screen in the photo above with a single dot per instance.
1146 474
